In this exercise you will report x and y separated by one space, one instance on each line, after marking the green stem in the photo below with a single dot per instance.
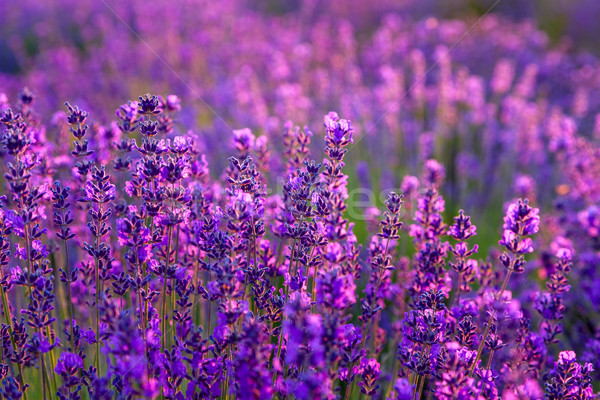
505 283
209 318
7 316
173 294
417 380
421 384
460 278
164 298
98 287
350 387
420 380
393 380
62 311
26 232
489 363
254 243
480 348
69 300
286 298
43 368
54 384
195 304
277 357
487 328
314 282
97 272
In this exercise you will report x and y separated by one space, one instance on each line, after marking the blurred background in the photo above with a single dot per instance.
63 35
492 89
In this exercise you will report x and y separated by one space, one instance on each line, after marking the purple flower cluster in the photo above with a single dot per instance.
421 88
150 279
148 250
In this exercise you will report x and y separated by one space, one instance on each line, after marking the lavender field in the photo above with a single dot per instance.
246 199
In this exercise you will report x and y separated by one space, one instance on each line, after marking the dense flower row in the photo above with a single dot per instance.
128 272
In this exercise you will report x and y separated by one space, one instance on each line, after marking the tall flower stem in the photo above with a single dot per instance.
196 306
54 382
287 292
350 387
489 363
97 277
393 378
69 298
7 317
173 292
460 278
164 298
44 376
422 379
487 328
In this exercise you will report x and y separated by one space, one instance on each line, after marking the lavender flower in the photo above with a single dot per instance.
182 272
